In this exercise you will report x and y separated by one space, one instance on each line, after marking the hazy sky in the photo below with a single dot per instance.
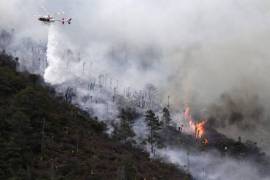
192 50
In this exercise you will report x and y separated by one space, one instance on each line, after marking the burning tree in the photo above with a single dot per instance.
198 127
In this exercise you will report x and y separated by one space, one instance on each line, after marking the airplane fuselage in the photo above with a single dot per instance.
49 19
46 19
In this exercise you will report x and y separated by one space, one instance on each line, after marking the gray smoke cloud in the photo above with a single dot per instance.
211 54
212 166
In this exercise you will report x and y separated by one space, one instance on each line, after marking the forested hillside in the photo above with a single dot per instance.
44 137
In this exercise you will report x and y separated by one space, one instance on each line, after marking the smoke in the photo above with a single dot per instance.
187 48
211 54
241 114
211 166
21 16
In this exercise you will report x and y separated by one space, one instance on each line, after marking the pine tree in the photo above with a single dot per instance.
124 131
166 117
154 126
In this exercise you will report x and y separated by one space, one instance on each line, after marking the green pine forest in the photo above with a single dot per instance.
42 136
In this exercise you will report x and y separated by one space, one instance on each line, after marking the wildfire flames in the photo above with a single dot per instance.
197 127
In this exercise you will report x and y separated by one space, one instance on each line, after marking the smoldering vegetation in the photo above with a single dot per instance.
234 110
44 136
30 53
212 166
240 115
210 55
202 160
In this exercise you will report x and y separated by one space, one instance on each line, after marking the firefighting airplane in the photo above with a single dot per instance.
49 19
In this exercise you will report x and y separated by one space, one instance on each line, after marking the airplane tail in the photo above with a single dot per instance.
69 20
66 20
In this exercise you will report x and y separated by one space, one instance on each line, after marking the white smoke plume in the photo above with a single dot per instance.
193 51
211 166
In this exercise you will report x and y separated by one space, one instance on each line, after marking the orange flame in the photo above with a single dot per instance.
205 141
198 128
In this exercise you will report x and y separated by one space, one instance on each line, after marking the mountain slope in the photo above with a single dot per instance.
44 137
